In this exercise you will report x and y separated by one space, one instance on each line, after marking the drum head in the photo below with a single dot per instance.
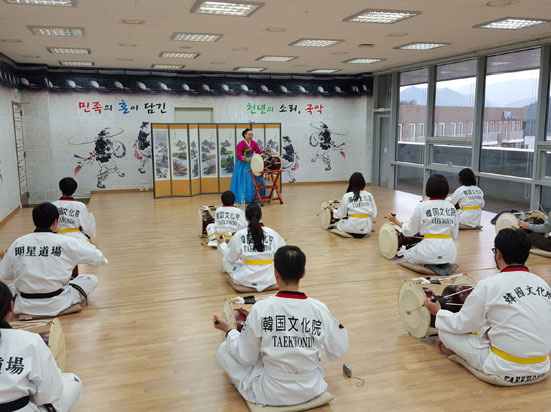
506 220
325 215
257 164
416 319
119 149
388 241
464 279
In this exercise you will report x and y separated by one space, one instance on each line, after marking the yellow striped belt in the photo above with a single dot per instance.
447 236
226 236
259 262
516 359
360 216
74 229
470 208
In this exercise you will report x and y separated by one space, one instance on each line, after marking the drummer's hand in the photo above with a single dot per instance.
221 325
267 151
248 159
523 225
3 253
433 307
220 239
331 208
391 218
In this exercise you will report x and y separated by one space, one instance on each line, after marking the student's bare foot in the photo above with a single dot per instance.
444 350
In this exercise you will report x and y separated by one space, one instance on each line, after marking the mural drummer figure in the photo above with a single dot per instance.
241 184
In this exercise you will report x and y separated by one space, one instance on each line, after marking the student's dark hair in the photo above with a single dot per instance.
228 198
513 244
68 186
356 183
5 304
467 177
290 262
44 215
437 186
244 132
253 213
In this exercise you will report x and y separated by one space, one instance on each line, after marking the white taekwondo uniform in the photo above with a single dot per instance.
360 213
41 263
436 220
511 312
276 359
247 266
227 221
74 219
28 368
471 202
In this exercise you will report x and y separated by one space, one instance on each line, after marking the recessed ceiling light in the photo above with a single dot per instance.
326 71
221 8
276 58
128 44
179 55
57 31
132 21
76 64
511 23
276 29
362 61
166 66
204 37
11 40
421 46
500 3
315 43
124 59
249 69
65 3
67 50
397 34
366 45
381 16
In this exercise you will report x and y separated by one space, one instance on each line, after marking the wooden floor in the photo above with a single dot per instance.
146 342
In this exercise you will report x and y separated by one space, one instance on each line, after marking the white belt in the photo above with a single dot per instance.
282 376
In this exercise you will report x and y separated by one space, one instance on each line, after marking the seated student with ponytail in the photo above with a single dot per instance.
30 379
469 199
357 209
249 256
74 218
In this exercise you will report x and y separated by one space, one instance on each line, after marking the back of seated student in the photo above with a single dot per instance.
275 360
40 265
470 199
511 311
537 234
357 209
436 220
30 379
74 218
228 220
249 256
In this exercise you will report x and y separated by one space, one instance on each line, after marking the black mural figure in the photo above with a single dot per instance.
142 146
290 158
105 148
325 142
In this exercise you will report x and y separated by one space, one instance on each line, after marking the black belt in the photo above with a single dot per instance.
40 295
14 405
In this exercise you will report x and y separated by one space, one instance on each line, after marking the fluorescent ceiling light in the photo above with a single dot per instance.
67 50
222 8
166 66
362 61
511 23
57 31
179 55
249 69
421 46
276 58
76 64
324 71
64 3
381 16
315 43
204 37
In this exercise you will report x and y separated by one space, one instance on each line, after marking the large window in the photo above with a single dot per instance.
409 179
412 115
511 100
455 99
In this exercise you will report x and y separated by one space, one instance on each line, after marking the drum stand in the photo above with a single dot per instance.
272 176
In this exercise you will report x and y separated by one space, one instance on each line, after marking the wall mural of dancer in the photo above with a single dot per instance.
290 158
322 139
142 146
